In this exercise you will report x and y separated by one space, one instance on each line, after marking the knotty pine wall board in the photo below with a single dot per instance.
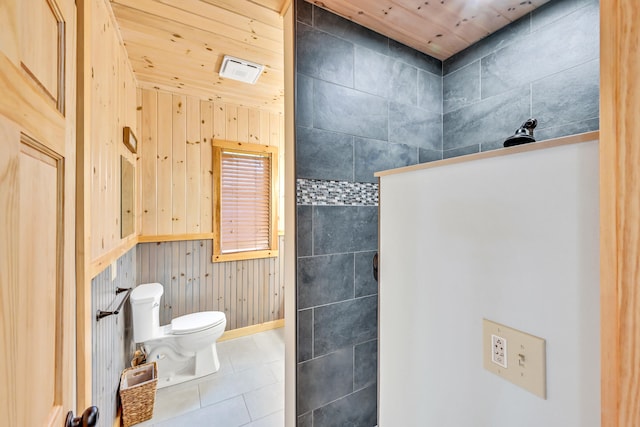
176 135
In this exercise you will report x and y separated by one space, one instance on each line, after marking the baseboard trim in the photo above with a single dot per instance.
250 330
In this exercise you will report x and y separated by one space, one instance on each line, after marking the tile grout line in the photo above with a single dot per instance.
244 399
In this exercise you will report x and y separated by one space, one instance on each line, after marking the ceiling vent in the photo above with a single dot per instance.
241 70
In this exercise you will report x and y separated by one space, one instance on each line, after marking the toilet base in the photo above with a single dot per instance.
172 371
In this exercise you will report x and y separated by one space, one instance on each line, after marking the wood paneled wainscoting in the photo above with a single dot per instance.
112 336
249 292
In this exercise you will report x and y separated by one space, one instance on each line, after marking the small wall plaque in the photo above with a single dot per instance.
130 140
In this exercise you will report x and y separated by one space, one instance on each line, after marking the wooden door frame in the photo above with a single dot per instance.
290 311
619 212
83 207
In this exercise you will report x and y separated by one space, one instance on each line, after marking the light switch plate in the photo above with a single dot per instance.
114 270
525 357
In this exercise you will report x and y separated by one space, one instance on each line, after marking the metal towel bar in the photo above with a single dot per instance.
102 313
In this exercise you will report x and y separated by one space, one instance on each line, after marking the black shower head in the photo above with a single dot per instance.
523 135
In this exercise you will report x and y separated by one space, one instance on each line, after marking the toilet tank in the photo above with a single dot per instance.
145 309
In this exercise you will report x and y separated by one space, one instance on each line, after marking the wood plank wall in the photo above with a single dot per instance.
112 336
113 106
248 292
620 212
106 103
175 134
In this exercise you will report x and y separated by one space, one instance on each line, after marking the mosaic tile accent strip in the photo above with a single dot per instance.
336 193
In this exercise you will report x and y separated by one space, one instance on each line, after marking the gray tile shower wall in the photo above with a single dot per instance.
111 337
364 103
353 82
545 65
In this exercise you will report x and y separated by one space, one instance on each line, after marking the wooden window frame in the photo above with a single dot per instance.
241 147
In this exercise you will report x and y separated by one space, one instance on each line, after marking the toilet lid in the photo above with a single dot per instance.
195 322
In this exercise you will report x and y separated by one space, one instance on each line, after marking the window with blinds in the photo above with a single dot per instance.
245 201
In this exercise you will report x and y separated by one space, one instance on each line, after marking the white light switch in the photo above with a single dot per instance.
515 356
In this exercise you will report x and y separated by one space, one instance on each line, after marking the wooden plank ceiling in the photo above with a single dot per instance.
440 28
178 45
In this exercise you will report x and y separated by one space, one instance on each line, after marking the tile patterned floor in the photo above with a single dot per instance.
248 390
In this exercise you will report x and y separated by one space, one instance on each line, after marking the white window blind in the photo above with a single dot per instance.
245 202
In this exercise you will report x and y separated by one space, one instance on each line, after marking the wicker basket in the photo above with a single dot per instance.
138 393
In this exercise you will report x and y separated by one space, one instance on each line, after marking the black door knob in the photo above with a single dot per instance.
89 418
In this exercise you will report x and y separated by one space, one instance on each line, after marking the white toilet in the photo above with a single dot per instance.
184 349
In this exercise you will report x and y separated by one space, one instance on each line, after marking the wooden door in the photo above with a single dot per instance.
37 211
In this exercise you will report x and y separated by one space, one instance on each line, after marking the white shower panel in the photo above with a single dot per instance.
510 236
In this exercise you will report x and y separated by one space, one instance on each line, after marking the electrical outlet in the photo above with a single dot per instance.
522 361
499 353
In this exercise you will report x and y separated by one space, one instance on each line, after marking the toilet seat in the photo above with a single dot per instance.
195 322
